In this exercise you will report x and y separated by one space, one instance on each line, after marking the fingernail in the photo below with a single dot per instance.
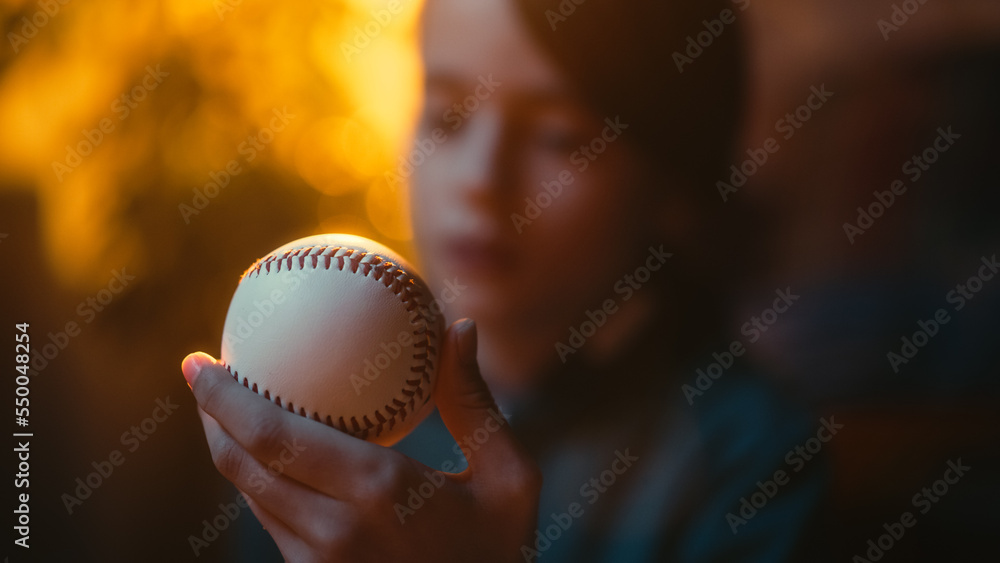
468 341
192 364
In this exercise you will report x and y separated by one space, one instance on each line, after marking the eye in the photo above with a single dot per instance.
433 114
555 139
429 121
558 135
557 127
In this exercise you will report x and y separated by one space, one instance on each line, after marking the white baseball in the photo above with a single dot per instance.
339 329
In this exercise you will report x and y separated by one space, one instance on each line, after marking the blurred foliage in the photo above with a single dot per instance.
346 70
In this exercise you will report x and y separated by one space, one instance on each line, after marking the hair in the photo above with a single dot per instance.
621 56
629 58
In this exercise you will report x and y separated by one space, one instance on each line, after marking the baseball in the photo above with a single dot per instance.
339 329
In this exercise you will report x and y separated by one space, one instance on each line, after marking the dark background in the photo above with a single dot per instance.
62 241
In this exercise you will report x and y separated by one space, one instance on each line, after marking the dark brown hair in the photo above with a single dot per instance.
674 70
630 58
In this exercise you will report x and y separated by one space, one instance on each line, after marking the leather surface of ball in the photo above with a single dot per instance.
339 329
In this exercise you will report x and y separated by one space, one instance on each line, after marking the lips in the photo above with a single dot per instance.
477 257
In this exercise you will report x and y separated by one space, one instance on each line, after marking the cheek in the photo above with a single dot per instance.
430 192
600 224
600 206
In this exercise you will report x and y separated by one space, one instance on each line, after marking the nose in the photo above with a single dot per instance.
482 167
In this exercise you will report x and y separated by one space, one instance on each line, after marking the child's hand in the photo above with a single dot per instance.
338 498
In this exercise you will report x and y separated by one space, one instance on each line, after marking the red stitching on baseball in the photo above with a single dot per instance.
400 283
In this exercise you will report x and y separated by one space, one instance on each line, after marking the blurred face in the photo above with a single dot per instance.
527 198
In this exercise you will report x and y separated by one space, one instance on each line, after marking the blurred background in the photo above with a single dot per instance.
175 142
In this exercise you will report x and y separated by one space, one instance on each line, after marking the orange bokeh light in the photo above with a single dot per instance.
345 71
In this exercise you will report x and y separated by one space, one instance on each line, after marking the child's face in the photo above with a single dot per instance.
499 120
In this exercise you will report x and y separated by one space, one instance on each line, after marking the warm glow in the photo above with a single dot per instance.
228 66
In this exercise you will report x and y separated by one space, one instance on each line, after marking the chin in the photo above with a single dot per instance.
480 305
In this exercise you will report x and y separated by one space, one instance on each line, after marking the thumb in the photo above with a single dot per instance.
467 406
